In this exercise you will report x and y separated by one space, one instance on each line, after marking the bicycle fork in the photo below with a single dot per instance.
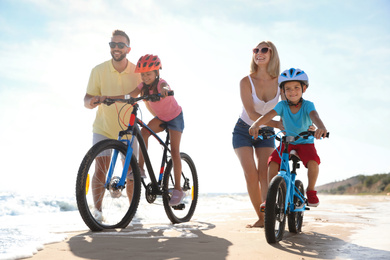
291 190
121 184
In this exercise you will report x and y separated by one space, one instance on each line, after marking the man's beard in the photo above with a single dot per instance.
120 58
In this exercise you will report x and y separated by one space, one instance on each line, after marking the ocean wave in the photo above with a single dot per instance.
18 204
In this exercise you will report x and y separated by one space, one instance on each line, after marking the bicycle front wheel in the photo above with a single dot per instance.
189 184
295 219
105 206
275 217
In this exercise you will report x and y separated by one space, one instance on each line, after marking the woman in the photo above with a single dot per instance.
259 94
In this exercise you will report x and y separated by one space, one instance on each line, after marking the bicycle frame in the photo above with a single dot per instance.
135 132
289 177
115 209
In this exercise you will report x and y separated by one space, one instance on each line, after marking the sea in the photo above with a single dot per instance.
28 222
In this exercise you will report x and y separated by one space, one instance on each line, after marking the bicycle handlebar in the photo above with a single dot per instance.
131 100
266 134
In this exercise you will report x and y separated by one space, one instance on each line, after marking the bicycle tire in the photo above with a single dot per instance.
116 209
189 183
295 219
275 217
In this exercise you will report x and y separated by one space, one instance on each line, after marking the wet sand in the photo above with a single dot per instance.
342 227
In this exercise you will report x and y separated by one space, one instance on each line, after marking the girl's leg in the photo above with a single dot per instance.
175 153
154 124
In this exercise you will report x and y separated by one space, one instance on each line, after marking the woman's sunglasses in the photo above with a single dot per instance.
120 45
262 50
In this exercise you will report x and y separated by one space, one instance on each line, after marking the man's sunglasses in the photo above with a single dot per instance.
262 50
120 45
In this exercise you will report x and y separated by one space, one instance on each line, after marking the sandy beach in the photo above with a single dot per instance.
342 227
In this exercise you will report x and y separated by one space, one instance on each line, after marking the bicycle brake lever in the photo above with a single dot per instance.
154 98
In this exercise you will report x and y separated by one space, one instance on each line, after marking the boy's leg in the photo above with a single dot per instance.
312 174
313 169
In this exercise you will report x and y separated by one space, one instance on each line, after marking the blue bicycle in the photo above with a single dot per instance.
285 195
108 184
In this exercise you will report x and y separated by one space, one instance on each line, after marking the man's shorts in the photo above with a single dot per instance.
98 137
306 152
242 138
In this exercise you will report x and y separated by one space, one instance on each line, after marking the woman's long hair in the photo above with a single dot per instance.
273 67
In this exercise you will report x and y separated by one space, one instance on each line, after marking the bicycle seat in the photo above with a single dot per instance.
164 126
294 156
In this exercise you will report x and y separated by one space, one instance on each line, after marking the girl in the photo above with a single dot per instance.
166 110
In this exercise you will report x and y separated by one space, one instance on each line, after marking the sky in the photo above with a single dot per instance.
48 48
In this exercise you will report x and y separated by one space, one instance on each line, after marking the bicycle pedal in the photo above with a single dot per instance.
179 207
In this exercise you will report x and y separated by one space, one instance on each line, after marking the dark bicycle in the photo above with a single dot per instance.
110 167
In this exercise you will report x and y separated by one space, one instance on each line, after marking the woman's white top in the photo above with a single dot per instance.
261 107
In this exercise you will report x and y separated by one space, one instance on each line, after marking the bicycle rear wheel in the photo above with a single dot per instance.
189 184
103 208
295 219
275 217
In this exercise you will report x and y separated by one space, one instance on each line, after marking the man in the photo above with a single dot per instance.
110 78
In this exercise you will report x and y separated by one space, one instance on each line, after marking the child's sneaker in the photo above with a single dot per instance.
98 215
143 175
312 199
177 197
262 207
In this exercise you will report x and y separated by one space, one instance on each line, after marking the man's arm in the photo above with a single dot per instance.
89 101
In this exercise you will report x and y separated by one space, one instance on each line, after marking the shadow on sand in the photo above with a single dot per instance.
178 241
322 246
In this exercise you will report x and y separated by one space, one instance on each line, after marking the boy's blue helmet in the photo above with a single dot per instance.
293 75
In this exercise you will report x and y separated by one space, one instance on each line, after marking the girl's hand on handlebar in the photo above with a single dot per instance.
164 92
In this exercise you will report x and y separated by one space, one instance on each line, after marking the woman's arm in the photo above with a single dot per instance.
264 120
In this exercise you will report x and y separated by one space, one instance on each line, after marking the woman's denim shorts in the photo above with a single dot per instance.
241 137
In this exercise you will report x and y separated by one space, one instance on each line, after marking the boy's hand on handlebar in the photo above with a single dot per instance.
312 128
320 132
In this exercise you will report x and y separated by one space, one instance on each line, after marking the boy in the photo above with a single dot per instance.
297 115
